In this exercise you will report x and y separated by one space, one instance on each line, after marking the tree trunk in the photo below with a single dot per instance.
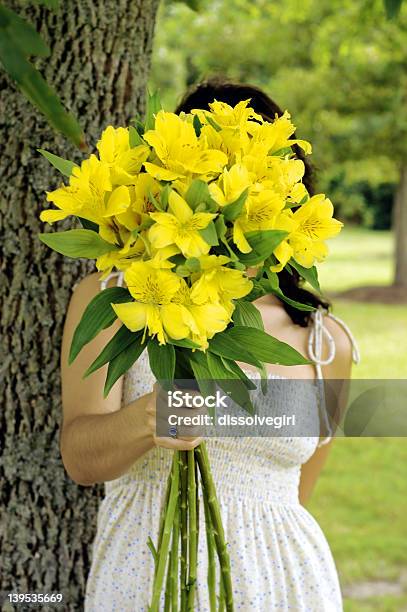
400 229
99 66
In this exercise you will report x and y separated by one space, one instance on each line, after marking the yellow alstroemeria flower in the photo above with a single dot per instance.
90 195
217 283
154 309
140 203
308 227
284 251
235 123
85 194
160 257
207 318
124 162
314 224
180 226
231 183
260 213
284 176
121 259
179 150
277 135
227 116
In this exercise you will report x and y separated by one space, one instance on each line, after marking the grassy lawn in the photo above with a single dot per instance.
358 257
360 500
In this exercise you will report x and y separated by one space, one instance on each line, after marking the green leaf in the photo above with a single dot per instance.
257 292
117 344
89 225
209 234
392 8
246 313
24 36
165 192
193 264
199 365
225 346
182 271
98 315
185 343
236 369
199 197
221 228
263 243
282 152
273 286
212 122
221 232
197 125
233 210
229 382
308 274
34 87
162 360
134 137
63 165
152 548
122 363
197 193
154 201
77 243
265 347
152 107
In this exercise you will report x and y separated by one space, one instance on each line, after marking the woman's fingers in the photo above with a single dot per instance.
185 420
177 443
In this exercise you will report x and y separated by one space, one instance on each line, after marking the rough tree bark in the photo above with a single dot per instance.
99 66
400 229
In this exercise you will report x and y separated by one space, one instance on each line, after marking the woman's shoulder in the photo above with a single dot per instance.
84 290
91 284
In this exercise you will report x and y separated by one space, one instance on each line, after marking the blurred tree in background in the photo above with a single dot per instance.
338 66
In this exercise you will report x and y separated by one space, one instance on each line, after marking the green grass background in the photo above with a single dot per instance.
360 498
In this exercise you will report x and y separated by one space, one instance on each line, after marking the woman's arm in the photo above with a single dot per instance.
338 374
100 440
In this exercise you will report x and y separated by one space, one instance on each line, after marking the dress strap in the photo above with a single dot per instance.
318 334
118 275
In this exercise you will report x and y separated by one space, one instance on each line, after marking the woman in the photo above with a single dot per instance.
279 557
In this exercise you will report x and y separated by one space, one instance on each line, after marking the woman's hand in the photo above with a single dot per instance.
187 438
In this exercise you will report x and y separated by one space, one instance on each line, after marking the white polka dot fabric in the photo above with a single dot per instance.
279 556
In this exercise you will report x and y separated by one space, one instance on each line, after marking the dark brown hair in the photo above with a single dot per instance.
223 90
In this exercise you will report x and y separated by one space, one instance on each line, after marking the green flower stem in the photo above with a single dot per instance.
192 531
168 586
163 514
210 544
174 557
197 501
163 549
184 528
221 598
216 520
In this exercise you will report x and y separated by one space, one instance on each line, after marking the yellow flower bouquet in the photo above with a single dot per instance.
184 205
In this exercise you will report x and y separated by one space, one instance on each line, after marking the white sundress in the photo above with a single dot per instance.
280 559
